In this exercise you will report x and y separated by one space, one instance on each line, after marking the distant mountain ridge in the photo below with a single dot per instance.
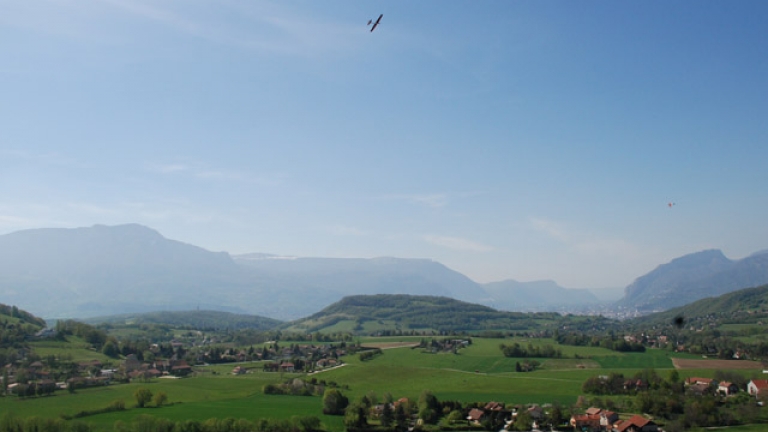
695 276
103 270
87 271
537 295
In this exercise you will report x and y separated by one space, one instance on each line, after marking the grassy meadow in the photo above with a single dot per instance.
477 373
74 349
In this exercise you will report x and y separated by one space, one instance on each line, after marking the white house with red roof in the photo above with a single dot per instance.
758 388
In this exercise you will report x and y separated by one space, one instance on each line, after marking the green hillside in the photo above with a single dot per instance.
12 314
745 306
198 320
376 313
16 327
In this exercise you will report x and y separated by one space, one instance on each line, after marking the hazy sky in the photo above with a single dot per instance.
505 139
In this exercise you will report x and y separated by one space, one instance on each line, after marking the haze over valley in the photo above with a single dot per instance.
103 270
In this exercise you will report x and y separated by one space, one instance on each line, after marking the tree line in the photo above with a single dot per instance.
518 351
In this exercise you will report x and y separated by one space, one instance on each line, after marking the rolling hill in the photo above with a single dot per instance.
371 313
747 305
197 319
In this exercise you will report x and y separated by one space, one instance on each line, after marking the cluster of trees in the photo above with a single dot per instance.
527 366
369 354
617 384
357 413
334 402
87 332
295 387
610 341
21 315
516 350
16 326
144 397
11 423
33 389
14 335
453 344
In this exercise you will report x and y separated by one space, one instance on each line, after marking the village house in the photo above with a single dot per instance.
180 368
131 363
378 410
698 380
535 412
595 419
700 389
82 382
635 385
494 406
585 422
637 423
475 416
727 388
758 388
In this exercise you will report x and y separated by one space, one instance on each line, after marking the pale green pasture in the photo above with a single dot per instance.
250 407
451 383
200 398
740 327
375 339
75 349
345 326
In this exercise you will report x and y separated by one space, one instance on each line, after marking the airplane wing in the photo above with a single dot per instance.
377 22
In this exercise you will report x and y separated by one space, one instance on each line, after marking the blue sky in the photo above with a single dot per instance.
507 140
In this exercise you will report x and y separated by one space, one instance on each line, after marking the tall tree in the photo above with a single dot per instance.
356 416
334 402
161 398
143 396
387 415
401 417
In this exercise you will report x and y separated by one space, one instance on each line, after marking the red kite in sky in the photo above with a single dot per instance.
376 23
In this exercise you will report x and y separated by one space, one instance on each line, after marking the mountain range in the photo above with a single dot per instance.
692 277
103 270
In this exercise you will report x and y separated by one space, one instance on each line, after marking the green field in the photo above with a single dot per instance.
478 373
74 349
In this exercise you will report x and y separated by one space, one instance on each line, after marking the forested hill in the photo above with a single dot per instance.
13 314
408 312
16 326
198 319
744 306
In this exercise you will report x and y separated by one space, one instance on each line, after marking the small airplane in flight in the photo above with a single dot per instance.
376 23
